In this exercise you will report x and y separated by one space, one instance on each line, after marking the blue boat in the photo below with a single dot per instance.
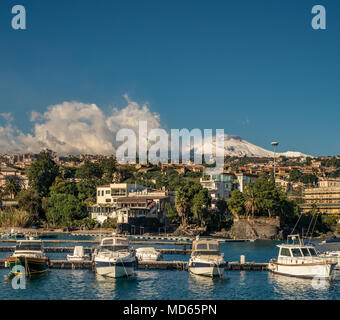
334 240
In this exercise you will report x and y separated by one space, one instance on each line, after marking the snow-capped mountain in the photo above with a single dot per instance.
237 147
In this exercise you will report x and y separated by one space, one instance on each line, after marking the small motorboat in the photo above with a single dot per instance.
332 256
115 258
206 259
148 254
333 240
78 254
30 255
297 259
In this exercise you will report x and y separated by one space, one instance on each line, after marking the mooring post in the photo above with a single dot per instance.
242 259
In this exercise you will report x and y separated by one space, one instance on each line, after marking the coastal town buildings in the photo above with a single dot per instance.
325 198
128 203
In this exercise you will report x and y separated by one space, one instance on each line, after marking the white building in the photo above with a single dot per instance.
126 202
219 186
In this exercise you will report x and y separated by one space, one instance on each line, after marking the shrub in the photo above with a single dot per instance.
15 218
109 223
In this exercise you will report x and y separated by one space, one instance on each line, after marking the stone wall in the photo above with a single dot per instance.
256 228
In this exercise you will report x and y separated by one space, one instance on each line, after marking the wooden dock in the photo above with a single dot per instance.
152 265
248 266
91 249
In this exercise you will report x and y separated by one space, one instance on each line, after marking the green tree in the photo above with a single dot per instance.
108 167
200 203
236 203
182 203
294 175
171 213
89 170
64 209
63 186
29 200
43 172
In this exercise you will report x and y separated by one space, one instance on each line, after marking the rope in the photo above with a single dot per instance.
296 224
218 269
310 223
123 266
316 219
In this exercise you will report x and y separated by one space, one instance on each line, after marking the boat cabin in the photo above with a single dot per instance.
295 248
29 245
206 247
114 244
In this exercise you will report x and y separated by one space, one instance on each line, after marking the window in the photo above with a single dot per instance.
107 192
108 200
312 252
29 246
296 253
98 193
102 193
213 246
285 252
305 252
201 246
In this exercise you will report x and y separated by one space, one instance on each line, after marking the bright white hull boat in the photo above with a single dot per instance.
115 269
78 254
304 269
148 254
204 267
206 259
115 258
302 261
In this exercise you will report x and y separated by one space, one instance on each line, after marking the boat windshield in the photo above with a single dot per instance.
312 252
296 252
114 248
285 252
305 252
206 253
29 247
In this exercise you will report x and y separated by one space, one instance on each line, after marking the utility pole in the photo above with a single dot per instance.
274 144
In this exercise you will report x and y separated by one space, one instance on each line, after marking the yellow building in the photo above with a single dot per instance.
326 199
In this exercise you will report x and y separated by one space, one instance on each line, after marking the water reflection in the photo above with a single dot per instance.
297 288
204 286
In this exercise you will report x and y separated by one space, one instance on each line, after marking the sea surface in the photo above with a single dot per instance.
164 284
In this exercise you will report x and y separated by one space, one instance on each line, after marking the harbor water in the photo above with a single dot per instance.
165 284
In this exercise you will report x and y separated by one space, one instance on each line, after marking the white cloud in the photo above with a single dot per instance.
75 127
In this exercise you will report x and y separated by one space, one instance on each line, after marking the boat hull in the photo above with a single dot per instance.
206 269
115 269
307 271
32 266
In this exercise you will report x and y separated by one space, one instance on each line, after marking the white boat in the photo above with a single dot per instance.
206 259
78 254
298 260
332 256
148 254
115 258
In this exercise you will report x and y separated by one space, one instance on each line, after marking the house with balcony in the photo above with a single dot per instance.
134 207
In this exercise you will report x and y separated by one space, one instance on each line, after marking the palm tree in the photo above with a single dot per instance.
12 187
251 206
181 204
251 203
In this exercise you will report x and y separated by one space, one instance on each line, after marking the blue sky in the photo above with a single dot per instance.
257 69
